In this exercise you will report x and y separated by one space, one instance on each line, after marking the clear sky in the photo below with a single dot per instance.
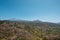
44 10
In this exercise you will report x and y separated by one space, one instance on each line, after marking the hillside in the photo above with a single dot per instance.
29 30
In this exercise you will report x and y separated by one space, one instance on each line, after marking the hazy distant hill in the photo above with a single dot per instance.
29 30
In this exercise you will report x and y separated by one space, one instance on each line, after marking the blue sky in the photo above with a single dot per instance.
44 10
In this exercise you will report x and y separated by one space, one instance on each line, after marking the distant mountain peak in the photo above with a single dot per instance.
37 21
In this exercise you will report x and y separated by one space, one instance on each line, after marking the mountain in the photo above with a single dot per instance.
28 30
58 23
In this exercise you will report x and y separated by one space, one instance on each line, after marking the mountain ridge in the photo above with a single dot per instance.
29 30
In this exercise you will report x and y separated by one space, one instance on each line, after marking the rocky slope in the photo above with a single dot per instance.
29 30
